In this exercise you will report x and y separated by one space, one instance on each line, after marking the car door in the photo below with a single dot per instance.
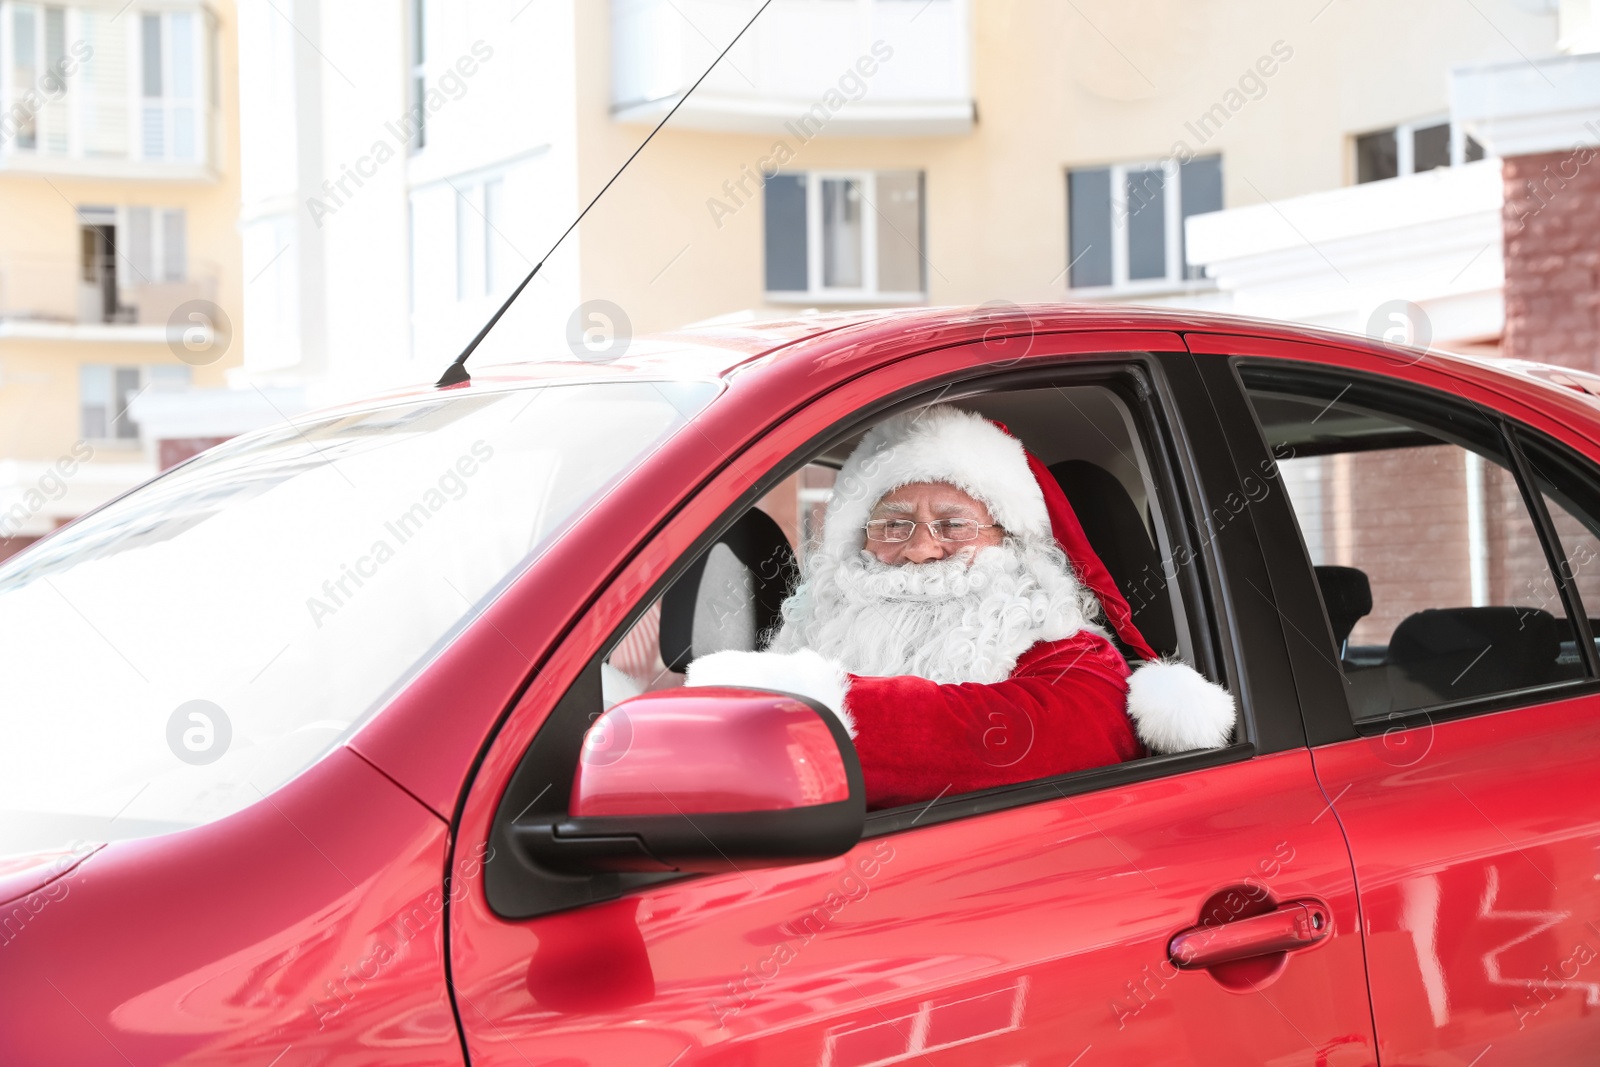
1453 546
1031 924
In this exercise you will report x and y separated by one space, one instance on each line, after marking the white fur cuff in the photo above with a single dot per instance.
803 673
1177 709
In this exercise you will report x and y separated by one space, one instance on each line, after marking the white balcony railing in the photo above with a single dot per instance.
840 67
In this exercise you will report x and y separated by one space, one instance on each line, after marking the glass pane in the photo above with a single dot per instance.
154 132
1474 150
1147 224
1571 489
1089 227
174 241
125 386
150 54
900 232
493 223
55 49
1438 533
291 580
463 254
94 400
183 146
841 233
1199 191
1430 148
24 74
181 25
1376 156
785 216
419 112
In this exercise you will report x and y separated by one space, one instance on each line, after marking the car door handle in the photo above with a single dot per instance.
1295 925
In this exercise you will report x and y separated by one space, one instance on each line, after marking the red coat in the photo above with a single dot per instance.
1063 709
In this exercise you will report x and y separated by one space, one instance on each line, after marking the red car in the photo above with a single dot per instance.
315 752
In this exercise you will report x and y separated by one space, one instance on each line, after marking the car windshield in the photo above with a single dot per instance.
178 654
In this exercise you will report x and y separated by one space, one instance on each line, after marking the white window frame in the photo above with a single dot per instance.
815 291
1172 206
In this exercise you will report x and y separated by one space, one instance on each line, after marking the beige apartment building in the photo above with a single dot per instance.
405 165
847 153
948 152
119 191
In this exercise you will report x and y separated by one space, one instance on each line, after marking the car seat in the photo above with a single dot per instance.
730 597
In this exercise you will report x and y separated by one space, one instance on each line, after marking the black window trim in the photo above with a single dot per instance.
1140 380
1396 397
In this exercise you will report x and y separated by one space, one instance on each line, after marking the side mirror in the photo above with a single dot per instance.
707 779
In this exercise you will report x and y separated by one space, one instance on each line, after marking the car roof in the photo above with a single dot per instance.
717 349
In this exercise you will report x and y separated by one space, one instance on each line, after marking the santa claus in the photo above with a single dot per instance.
955 618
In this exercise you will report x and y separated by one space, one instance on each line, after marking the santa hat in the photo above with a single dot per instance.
1173 707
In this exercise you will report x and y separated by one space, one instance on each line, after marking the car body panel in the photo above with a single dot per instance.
1005 938
1475 843
1474 836
307 926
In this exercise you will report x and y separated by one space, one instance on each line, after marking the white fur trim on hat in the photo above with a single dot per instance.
1175 708
804 673
935 444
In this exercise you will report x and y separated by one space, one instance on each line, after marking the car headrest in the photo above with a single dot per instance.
1465 652
730 596
1112 523
1347 593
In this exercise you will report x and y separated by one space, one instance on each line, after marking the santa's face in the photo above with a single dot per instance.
930 502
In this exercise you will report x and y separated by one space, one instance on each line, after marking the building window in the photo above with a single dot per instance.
169 86
480 250
419 80
77 82
105 393
845 236
1412 149
37 37
1125 221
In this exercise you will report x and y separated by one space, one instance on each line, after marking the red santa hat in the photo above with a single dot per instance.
1173 707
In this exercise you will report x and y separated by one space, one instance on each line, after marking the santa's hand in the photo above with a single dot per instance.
802 673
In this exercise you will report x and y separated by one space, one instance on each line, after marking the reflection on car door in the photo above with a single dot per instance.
1033 935
1464 779
1032 925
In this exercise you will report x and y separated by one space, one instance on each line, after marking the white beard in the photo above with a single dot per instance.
966 618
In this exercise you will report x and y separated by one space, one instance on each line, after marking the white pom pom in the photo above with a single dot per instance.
804 673
1175 708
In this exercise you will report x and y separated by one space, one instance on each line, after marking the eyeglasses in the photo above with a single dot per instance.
896 530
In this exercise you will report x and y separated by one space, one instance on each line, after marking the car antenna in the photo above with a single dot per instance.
456 372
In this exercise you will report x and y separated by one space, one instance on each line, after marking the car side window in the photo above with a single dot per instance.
730 595
1436 581
728 598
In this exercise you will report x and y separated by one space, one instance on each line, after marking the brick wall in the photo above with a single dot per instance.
1552 257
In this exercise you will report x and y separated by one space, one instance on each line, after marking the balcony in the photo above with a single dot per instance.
1335 258
883 68
58 298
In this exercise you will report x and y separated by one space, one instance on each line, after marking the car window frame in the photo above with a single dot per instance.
1332 721
1190 470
